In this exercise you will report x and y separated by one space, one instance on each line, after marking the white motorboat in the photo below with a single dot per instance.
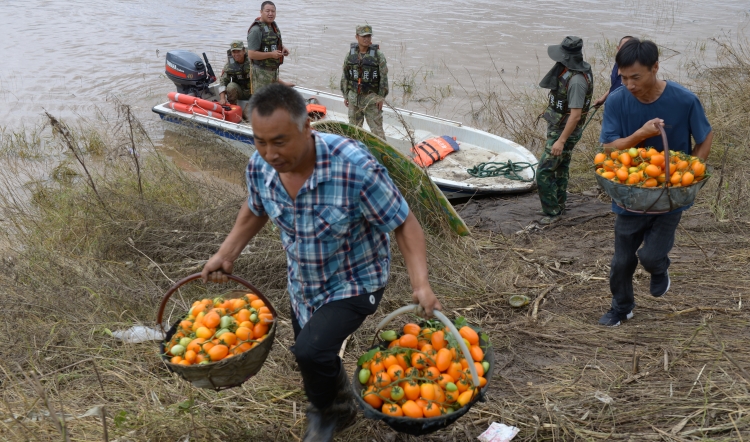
401 126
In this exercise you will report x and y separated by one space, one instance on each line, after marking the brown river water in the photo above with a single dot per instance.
67 57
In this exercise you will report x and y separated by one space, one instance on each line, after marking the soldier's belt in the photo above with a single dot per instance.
266 68
365 92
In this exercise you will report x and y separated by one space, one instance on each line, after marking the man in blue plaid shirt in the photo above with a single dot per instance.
334 205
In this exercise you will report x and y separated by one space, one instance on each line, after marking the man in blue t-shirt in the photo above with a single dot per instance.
614 77
632 118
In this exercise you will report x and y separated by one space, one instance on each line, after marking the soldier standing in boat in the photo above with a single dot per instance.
364 82
571 85
265 48
236 78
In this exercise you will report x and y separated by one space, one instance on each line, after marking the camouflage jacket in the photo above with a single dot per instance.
237 73
270 41
557 111
371 68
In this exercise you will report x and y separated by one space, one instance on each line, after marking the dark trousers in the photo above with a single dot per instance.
317 344
656 233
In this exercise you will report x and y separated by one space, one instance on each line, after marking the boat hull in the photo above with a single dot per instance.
403 128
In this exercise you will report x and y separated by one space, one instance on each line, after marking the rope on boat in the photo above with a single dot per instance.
509 170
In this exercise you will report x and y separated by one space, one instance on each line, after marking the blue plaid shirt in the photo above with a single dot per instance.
335 233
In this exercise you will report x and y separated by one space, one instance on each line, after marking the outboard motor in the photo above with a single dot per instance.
189 73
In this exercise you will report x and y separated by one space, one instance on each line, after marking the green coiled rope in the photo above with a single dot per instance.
509 170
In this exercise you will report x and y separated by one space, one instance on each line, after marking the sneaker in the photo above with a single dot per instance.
547 220
660 284
613 319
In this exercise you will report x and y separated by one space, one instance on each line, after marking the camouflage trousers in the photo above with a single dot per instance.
366 106
236 92
553 173
263 77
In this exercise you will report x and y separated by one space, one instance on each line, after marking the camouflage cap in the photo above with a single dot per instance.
237 45
364 30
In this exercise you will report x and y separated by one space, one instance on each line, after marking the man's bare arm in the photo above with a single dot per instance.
570 125
599 101
411 242
701 150
246 226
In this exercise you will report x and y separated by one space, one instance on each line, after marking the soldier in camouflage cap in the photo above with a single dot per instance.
236 77
364 82
571 85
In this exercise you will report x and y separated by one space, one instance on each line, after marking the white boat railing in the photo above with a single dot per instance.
395 109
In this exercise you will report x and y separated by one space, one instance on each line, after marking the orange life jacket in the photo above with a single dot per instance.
434 149
193 105
235 116
316 111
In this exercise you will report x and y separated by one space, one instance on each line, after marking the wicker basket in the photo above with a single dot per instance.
229 372
652 200
422 426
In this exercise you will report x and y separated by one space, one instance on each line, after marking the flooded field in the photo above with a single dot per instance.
68 57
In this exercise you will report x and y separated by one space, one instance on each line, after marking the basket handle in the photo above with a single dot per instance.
666 152
412 308
666 185
193 277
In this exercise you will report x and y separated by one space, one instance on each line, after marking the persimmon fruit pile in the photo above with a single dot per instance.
217 329
421 373
645 167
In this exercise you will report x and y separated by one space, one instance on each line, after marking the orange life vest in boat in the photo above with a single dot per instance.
316 111
434 149
193 105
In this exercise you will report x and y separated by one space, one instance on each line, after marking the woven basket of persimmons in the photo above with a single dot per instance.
421 377
221 341
644 180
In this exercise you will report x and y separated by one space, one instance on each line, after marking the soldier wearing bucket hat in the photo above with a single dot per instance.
571 85
364 82
632 118
236 77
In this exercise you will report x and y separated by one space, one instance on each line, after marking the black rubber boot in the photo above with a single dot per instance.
320 425
345 404
341 414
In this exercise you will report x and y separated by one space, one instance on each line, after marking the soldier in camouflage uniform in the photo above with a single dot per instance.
236 76
365 82
571 85
265 48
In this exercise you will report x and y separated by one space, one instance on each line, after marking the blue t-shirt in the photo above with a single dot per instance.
680 109
615 78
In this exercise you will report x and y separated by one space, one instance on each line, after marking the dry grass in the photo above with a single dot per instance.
77 264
